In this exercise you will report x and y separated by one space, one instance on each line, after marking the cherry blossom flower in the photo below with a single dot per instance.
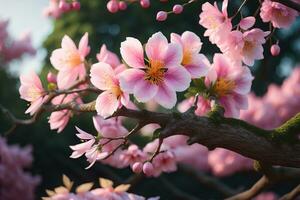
230 84
161 76
108 57
278 14
112 97
193 61
59 119
31 90
245 47
216 22
69 61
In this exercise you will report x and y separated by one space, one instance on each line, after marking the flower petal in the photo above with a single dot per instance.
132 52
129 78
102 76
68 44
173 55
165 96
177 78
83 45
144 91
191 42
106 104
156 46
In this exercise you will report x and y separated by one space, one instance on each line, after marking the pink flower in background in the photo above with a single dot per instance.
203 105
244 47
161 76
267 196
132 155
196 63
216 22
53 9
15 181
224 162
69 61
31 90
108 57
59 119
230 83
104 78
278 14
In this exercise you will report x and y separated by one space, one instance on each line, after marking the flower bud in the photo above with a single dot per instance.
64 6
145 3
51 78
148 168
177 9
275 50
137 167
112 6
161 16
75 5
122 5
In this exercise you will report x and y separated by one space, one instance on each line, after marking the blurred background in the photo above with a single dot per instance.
51 150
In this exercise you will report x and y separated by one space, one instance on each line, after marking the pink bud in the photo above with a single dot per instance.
122 5
161 16
75 5
177 9
137 167
113 6
64 6
51 78
275 50
145 3
148 168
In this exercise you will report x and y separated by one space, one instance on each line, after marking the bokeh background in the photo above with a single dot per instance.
51 151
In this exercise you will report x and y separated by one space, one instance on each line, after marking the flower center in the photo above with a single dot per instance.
223 87
187 57
73 59
116 90
34 93
248 46
155 72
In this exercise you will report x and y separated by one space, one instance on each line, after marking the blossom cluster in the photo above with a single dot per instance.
85 192
11 49
57 7
15 182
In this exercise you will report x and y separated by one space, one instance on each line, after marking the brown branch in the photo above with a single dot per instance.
292 195
208 181
289 3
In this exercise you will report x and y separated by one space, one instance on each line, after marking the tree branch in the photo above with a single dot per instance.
292 195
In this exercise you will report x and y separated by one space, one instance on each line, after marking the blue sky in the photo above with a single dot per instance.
26 15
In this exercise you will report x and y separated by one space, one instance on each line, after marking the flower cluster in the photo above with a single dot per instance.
15 182
85 192
57 7
11 49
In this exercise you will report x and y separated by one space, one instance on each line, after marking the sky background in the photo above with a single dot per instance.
26 15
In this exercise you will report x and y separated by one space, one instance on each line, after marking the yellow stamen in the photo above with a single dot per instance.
116 90
155 72
73 59
223 87
187 58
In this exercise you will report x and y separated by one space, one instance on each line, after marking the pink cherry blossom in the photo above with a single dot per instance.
161 76
69 61
31 90
230 83
132 155
193 61
244 47
108 57
59 119
112 97
247 22
216 22
278 14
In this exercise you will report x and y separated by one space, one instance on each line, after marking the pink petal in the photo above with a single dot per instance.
144 91
198 67
243 81
241 101
83 135
173 55
175 38
177 78
156 47
129 78
191 42
97 123
35 105
247 23
132 52
165 96
84 48
68 44
102 76
57 59
106 104
65 79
